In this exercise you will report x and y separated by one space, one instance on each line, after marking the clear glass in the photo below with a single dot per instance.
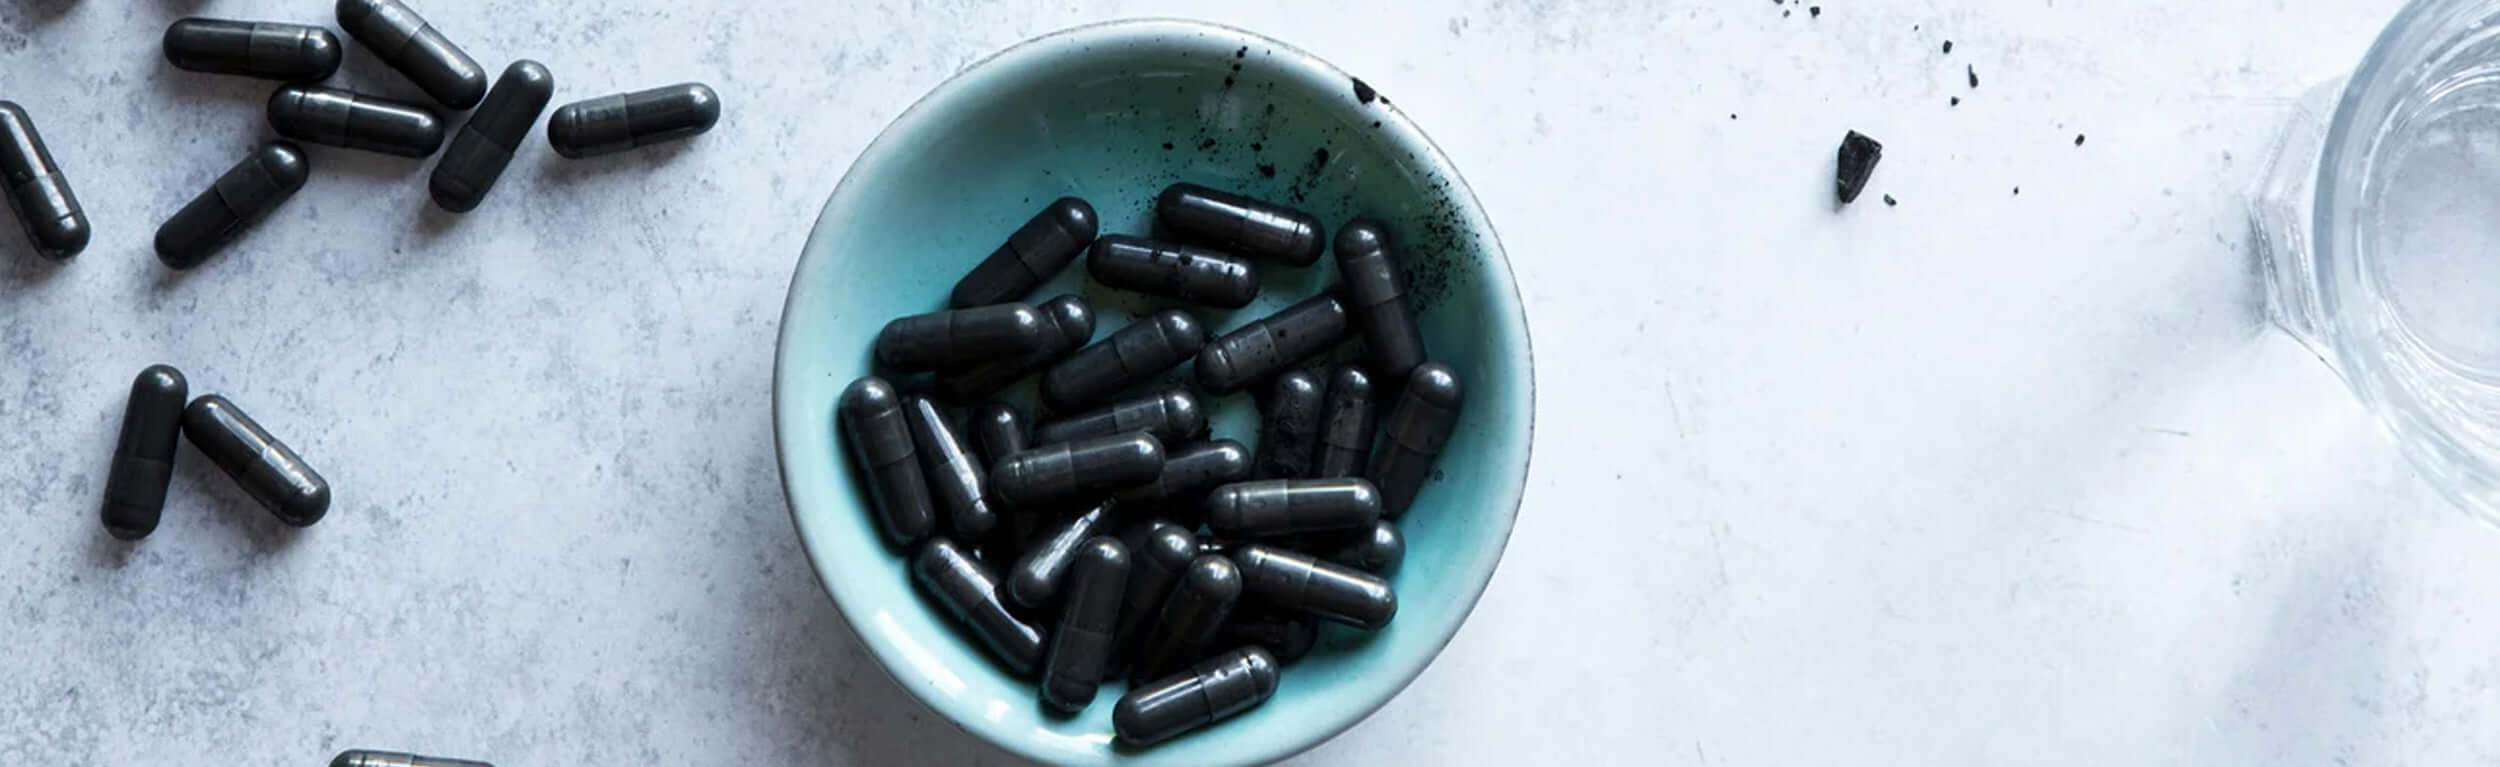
2378 228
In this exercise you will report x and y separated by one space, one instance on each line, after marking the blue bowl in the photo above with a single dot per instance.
1113 113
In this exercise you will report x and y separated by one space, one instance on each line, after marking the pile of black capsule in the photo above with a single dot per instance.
1120 536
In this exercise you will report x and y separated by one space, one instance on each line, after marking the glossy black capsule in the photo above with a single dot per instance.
1288 635
267 469
267 50
1345 430
1377 549
1188 473
1172 415
1214 690
1174 271
953 472
1376 298
1289 426
1035 252
1296 581
1037 575
957 338
1236 224
1189 618
879 432
998 429
1131 356
1269 508
1271 344
143 459
627 120
354 120
402 39
1071 320
1417 429
484 145
364 758
1072 471
241 197
1158 560
970 593
38 193
1080 649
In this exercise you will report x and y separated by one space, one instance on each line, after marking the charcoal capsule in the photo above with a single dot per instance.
1188 473
143 459
1172 415
1345 431
956 338
627 120
1080 649
1275 507
954 475
268 50
1179 272
1129 357
1296 581
1289 433
484 145
1288 635
1071 471
1377 549
354 120
1236 224
1160 556
1376 298
879 432
244 195
1417 429
402 39
1035 579
364 758
998 429
1035 252
1189 619
54 221
1214 690
1271 344
1071 321
267 469
969 592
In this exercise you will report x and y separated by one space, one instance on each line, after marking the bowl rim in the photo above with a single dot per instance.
1400 131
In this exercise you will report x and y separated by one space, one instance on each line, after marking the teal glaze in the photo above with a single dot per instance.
1086 112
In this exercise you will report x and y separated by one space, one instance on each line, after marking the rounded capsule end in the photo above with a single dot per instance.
1106 550
1235 457
1184 414
1075 216
867 396
1030 324
1360 492
306 506
352 11
1030 589
1216 371
453 194
62 237
1388 547
1436 384
9 110
1073 316
1361 237
704 104
1185 332
322 52
1313 246
1262 669
160 380
1350 381
1147 447
1172 196
1128 721
1170 544
1214 576
1297 386
1388 601
285 164
563 131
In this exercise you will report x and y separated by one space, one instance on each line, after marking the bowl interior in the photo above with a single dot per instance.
1112 114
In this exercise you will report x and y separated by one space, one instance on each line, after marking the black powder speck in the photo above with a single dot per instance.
2018 191
1731 115
1245 51
1267 170
1957 101
2078 139
1167 146
1363 91
1236 67
1816 11
1206 145
1974 75
1319 160
1257 147
1888 200
1948 44
1783 14
1228 81
1375 123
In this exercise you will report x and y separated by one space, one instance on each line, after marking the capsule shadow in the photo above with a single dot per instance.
107 552
23 268
562 171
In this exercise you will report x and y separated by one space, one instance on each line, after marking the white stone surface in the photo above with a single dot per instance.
1979 479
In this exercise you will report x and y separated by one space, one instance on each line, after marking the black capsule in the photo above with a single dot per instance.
1296 581
1179 272
1417 429
1072 321
1269 508
970 593
1131 356
1345 432
267 50
1289 426
484 145
627 120
1172 415
1080 650
267 469
1271 344
879 432
1035 579
363 758
1288 635
1377 549
354 120
143 459
1376 298
402 39
241 197
953 473
999 431
1236 224
1214 690
38 193
1160 556
1189 618
1188 473
1035 252
957 338
1072 471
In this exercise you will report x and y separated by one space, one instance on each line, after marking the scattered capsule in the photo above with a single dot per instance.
267 469
244 195
879 432
627 120
1287 635
999 431
267 50
954 475
1035 252
1236 224
1296 581
353 120
970 593
484 145
1129 357
1189 618
1214 690
402 39
957 338
1268 345
1035 580
1377 549
1187 476
1160 556
1289 435
1178 272
1072 321
1417 429
1345 432
1080 650
1172 415
54 221
1070 471
1377 299
143 459
1269 508
363 758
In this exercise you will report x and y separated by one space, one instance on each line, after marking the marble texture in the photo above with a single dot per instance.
1983 478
